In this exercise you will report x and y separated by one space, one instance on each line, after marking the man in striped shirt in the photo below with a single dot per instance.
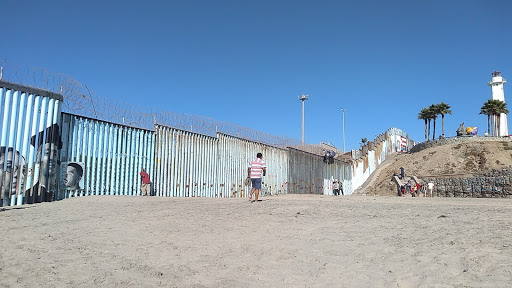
257 169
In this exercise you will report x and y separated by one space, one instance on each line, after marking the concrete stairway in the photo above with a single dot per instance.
399 182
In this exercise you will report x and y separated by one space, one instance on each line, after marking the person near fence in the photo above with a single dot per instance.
257 169
336 188
146 183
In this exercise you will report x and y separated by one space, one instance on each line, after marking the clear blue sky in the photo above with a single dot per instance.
246 62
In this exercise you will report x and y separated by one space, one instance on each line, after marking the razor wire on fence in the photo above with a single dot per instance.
81 100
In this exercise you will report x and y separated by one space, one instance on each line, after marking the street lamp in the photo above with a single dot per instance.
302 98
343 110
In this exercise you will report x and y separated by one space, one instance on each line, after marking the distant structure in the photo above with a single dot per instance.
303 98
498 93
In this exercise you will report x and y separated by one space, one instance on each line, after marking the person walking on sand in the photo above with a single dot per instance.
146 183
430 188
336 188
257 169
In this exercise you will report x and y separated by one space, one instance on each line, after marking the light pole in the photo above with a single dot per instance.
302 98
343 111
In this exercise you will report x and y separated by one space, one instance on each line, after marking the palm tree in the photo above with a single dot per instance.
363 141
434 110
494 108
443 109
430 117
424 115
486 110
501 108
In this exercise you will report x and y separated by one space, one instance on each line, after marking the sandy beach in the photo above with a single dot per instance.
282 241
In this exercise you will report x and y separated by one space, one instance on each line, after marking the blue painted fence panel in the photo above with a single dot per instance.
110 154
29 142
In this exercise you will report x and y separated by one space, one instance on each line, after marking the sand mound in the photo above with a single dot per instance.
462 159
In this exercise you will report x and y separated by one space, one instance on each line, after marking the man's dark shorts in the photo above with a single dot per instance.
256 183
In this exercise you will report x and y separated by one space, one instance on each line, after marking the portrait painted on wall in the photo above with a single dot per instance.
72 175
47 145
12 171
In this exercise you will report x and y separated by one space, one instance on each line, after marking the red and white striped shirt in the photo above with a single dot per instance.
257 166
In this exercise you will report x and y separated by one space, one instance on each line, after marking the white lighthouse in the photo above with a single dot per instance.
498 93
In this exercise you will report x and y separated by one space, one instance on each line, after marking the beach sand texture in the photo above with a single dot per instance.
282 241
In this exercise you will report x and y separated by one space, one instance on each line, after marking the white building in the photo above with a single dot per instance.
498 93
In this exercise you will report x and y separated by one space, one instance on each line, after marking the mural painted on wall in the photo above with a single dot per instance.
72 175
29 144
12 171
49 143
402 143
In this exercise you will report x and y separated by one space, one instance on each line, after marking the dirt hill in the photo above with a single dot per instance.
462 159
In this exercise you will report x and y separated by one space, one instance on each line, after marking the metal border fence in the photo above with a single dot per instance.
38 141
